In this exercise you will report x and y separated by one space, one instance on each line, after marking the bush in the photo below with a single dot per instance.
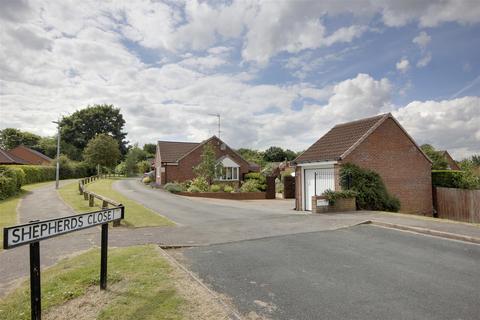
194 189
371 191
199 183
455 179
250 186
228 189
173 187
8 182
259 179
331 196
34 174
215 188
146 180
143 166
121 168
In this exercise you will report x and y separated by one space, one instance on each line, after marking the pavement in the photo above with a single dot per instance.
362 272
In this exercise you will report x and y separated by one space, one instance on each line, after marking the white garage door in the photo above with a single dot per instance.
316 182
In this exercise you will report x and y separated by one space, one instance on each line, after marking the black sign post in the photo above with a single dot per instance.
35 231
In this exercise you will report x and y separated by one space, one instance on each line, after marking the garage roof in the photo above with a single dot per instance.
8 158
344 138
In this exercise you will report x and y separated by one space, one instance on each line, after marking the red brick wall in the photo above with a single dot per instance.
298 188
403 168
184 170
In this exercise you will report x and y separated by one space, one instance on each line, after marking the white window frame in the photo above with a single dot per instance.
230 168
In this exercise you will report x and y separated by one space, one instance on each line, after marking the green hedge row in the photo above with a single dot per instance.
455 179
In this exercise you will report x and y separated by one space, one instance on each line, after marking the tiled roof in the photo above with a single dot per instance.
8 158
39 154
340 139
171 151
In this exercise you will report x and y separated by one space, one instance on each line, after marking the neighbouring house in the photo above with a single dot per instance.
8 158
31 156
175 161
378 143
451 164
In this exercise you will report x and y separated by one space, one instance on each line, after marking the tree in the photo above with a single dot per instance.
274 154
83 125
11 138
438 160
150 148
207 168
48 146
102 150
476 160
252 155
290 155
134 156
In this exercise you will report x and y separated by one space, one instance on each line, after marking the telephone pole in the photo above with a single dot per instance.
57 174
218 117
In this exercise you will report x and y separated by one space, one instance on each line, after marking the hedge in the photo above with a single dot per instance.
34 174
455 179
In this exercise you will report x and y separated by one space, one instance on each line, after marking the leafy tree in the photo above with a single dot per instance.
476 160
102 150
11 138
48 146
144 166
252 156
290 155
274 154
83 125
134 155
438 160
150 148
207 168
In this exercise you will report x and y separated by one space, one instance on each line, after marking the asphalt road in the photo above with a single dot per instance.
363 272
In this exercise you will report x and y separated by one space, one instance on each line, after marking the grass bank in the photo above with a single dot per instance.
136 215
140 286
8 207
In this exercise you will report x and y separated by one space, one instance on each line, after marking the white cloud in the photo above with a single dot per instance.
447 124
403 65
422 40
425 60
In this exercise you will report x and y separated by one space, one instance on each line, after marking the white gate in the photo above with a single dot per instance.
316 182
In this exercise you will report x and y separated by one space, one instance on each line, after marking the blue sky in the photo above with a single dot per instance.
279 72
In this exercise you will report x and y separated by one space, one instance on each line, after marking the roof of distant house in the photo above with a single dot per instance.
343 138
35 152
172 151
8 158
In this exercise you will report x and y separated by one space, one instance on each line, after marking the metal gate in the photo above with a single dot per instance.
316 182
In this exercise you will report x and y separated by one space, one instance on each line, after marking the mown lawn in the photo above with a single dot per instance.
140 286
8 207
136 215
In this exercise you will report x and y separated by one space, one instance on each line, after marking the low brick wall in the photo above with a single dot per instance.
226 195
348 204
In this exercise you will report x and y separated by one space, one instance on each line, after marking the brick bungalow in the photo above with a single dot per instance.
378 143
451 163
174 161
31 156
8 158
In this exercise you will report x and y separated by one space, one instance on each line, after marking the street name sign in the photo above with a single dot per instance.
41 230
33 232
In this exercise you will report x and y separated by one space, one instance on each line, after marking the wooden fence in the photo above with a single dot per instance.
91 196
457 204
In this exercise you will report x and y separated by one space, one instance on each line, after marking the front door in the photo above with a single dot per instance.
317 180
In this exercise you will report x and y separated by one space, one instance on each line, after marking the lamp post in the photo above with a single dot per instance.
57 174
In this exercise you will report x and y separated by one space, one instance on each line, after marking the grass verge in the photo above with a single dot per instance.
140 286
136 215
8 207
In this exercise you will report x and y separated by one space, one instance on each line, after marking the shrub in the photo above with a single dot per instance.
146 180
8 182
455 179
259 179
143 166
194 189
371 191
228 189
121 168
173 187
215 188
199 183
34 174
250 186
331 196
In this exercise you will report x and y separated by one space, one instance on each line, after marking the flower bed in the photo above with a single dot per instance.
226 195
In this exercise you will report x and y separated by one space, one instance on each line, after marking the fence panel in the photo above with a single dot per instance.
458 204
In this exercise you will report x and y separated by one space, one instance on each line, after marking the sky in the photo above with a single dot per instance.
278 72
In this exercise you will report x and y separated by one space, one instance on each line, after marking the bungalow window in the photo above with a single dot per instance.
227 169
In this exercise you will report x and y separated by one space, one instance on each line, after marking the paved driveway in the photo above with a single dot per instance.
363 272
